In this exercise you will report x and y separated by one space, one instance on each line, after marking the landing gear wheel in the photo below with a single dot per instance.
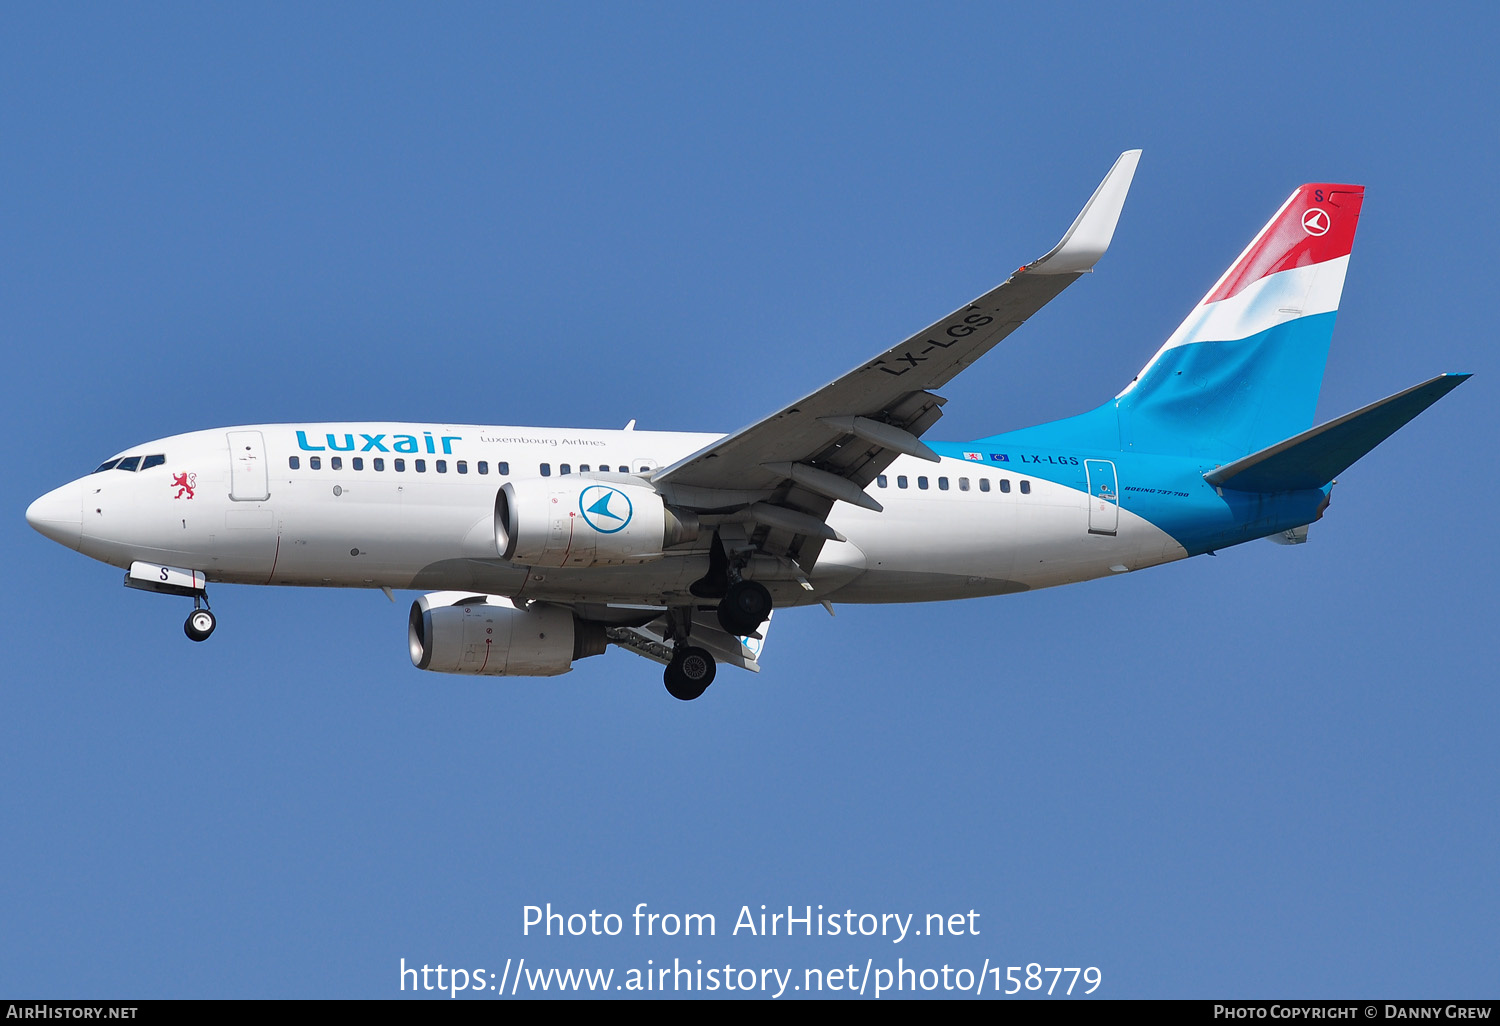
744 608
689 673
200 624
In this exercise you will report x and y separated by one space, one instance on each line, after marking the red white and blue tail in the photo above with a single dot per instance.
1244 369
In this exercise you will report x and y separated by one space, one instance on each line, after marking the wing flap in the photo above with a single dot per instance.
651 642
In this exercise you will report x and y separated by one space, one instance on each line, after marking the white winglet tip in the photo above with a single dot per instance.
1094 227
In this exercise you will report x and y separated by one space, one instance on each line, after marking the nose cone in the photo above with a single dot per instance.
59 514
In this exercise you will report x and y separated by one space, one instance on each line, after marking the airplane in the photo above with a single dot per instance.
536 547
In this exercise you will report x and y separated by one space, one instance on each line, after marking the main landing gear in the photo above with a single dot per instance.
689 673
743 604
744 608
200 622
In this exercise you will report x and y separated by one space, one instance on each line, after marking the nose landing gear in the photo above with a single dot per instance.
171 580
200 624
201 621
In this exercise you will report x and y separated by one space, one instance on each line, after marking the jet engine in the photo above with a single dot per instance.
456 632
581 522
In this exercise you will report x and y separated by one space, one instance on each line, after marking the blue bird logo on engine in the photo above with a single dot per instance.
605 509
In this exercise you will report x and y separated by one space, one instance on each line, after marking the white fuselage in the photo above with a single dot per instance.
311 506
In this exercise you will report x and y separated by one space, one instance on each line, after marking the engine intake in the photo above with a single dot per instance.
582 522
456 632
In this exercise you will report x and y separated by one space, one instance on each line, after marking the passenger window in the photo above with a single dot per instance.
503 468
107 466
984 484
484 466
963 484
565 468
336 462
900 480
399 465
153 461
442 466
128 463
295 463
583 468
315 463
463 466
379 463
1005 484
546 470
942 484
420 466
358 463
1025 487
922 483
881 481
624 470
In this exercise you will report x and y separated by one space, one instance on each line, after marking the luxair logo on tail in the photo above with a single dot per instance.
605 509
1315 222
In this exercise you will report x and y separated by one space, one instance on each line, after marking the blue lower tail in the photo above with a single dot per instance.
1215 400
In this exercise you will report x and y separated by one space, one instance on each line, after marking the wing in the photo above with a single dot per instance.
784 473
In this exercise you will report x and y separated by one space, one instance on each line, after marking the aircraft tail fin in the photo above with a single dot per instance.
1315 457
1244 369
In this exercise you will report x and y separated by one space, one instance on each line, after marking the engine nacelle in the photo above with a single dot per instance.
458 632
582 522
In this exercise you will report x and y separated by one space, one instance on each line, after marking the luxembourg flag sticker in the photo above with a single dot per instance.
973 456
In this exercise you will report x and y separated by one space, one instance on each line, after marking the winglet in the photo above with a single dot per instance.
1089 236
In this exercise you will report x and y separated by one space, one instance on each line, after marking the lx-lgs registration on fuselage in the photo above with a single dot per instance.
539 547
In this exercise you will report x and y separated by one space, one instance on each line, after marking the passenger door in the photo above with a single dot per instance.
1104 496
248 479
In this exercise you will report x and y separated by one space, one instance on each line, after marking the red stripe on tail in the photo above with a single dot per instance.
1316 225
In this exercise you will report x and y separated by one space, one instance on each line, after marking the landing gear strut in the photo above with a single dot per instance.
689 673
200 622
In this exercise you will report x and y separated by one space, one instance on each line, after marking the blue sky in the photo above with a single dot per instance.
1267 773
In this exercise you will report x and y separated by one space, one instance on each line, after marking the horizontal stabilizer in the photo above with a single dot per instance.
1317 456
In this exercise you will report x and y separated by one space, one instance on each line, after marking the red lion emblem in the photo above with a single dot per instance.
184 483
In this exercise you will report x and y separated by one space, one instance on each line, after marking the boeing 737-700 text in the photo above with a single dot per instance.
540 547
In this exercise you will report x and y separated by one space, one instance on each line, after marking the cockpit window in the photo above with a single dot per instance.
106 466
128 463
153 461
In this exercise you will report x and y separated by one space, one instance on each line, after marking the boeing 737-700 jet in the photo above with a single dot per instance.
539 547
